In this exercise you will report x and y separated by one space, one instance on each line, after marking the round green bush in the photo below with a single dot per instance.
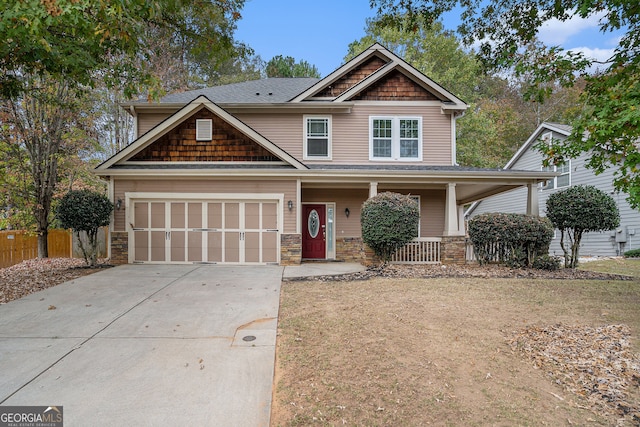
511 239
546 262
389 220
634 253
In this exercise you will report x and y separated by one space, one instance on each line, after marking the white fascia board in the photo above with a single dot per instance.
177 118
150 136
339 72
532 138
309 175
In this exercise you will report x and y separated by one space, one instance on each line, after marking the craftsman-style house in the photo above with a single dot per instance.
276 170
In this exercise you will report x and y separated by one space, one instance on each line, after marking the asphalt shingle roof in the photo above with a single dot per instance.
268 91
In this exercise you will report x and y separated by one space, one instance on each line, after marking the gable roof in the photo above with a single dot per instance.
366 70
545 126
177 118
391 63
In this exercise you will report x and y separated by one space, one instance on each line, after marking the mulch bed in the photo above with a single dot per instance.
37 274
468 270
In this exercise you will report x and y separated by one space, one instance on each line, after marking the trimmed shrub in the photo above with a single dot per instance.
389 220
578 210
634 253
85 210
515 240
546 262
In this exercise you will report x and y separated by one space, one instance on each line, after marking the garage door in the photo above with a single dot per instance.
205 231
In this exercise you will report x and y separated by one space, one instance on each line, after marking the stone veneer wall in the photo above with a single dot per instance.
119 247
290 249
353 249
453 250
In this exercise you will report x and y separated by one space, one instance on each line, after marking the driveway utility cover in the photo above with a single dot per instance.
146 345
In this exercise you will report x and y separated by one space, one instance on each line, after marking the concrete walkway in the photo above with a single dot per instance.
150 345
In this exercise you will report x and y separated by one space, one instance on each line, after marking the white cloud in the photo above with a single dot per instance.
597 54
555 32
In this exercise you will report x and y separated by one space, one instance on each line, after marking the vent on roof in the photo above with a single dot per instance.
204 129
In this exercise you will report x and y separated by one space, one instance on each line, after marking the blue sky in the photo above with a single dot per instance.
319 32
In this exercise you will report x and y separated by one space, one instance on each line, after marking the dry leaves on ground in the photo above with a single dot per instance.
37 274
468 270
594 362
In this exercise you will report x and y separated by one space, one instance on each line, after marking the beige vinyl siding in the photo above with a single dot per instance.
284 130
204 186
147 121
432 205
343 198
350 132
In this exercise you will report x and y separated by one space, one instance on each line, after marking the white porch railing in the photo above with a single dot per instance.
423 250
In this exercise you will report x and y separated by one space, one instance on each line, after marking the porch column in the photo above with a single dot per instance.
451 212
532 199
462 231
373 189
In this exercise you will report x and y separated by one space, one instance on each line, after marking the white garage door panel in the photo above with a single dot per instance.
235 232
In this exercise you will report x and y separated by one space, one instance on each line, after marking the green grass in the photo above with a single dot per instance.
628 267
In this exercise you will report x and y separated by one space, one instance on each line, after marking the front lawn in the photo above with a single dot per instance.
457 351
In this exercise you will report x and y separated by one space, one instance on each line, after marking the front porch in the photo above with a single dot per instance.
328 215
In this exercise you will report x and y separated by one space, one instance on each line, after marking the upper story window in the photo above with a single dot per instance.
395 138
562 180
317 137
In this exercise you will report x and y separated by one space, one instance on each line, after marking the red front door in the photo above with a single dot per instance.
314 231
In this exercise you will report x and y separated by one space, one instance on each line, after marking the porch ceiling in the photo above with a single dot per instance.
471 185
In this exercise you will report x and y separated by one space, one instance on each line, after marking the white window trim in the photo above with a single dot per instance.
553 183
305 155
395 139
204 129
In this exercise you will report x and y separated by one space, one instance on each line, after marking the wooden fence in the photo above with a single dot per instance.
423 250
17 246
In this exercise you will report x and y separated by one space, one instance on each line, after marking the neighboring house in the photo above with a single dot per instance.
574 172
276 170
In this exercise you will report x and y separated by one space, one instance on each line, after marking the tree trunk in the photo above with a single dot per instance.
575 249
43 247
565 250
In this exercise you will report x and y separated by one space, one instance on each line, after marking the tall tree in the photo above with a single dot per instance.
286 66
76 40
43 127
609 127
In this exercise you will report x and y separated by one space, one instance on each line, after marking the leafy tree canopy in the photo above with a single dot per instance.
506 30
79 39
432 50
286 66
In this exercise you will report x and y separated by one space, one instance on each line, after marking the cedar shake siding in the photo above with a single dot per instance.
227 144
225 186
395 87
352 78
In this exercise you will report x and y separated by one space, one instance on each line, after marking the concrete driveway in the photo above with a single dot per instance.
146 345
